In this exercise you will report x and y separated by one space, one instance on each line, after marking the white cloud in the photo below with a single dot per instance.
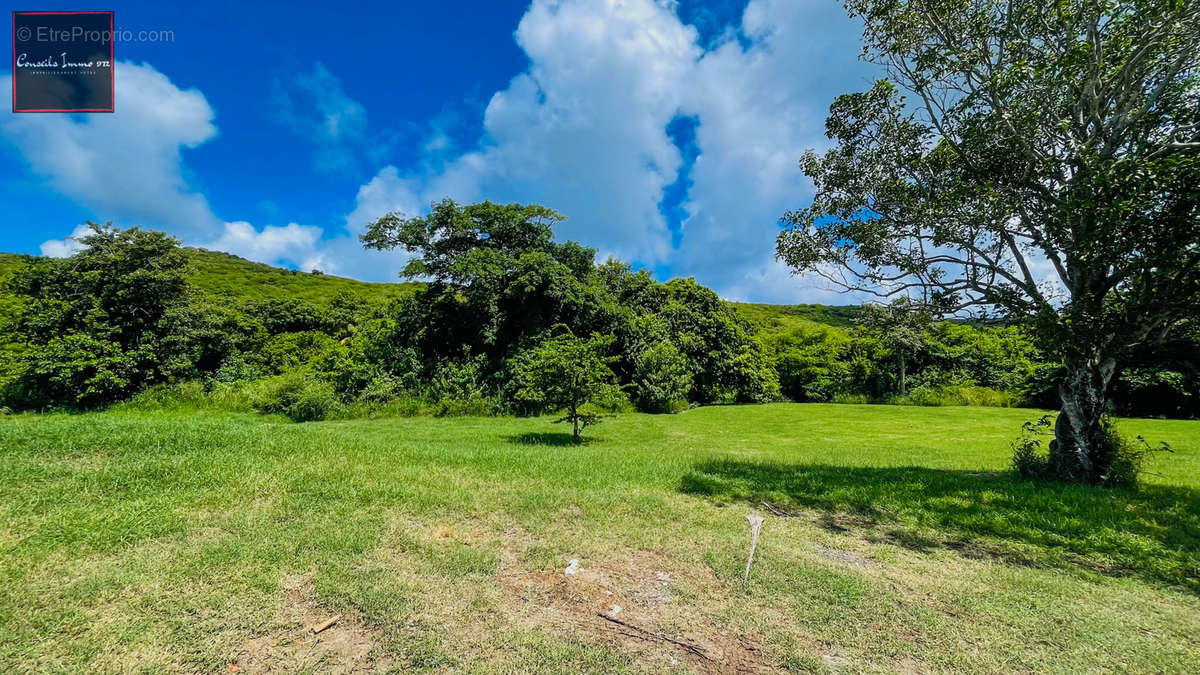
759 110
127 166
584 131
388 191
66 247
297 244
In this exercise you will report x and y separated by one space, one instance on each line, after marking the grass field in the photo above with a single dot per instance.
894 540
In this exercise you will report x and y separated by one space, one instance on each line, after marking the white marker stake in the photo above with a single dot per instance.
756 522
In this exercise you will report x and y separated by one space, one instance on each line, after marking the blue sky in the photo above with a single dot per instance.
668 132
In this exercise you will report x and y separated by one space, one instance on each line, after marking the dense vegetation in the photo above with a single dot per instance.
133 314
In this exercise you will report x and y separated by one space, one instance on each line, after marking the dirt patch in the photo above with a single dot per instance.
845 557
348 646
631 605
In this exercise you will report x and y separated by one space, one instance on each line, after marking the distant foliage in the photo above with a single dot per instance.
122 319
944 363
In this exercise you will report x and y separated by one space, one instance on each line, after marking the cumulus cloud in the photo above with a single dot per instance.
293 243
760 109
387 192
128 165
66 247
584 130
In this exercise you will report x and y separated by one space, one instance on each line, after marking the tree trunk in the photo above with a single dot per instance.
575 421
1079 451
902 373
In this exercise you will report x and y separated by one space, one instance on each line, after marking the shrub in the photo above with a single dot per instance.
954 395
1028 459
1129 457
189 394
661 379
754 375
298 395
77 370
381 389
314 402
477 406
289 351
457 389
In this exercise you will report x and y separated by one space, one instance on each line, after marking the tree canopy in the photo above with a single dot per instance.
1033 160
98 322
565 372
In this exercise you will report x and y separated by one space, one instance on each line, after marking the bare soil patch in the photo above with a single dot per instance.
629 604
348 646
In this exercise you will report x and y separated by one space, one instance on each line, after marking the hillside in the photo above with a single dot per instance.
228 275
778 317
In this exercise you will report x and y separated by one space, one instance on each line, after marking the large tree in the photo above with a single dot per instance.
495 274
102 324
1025 158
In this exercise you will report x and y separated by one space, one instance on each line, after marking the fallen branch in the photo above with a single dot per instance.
690 648
775 510
327 624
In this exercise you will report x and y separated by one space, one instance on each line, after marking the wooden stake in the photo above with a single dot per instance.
327 624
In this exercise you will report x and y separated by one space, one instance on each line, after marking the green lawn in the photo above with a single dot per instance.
894 540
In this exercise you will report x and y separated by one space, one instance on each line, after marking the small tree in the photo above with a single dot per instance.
565 372
901 328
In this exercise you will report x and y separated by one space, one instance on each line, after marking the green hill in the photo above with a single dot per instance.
773 318
229 276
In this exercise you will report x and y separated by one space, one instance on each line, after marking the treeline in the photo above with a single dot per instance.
120 320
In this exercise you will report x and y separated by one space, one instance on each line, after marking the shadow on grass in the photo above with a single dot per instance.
1152 533
554 438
